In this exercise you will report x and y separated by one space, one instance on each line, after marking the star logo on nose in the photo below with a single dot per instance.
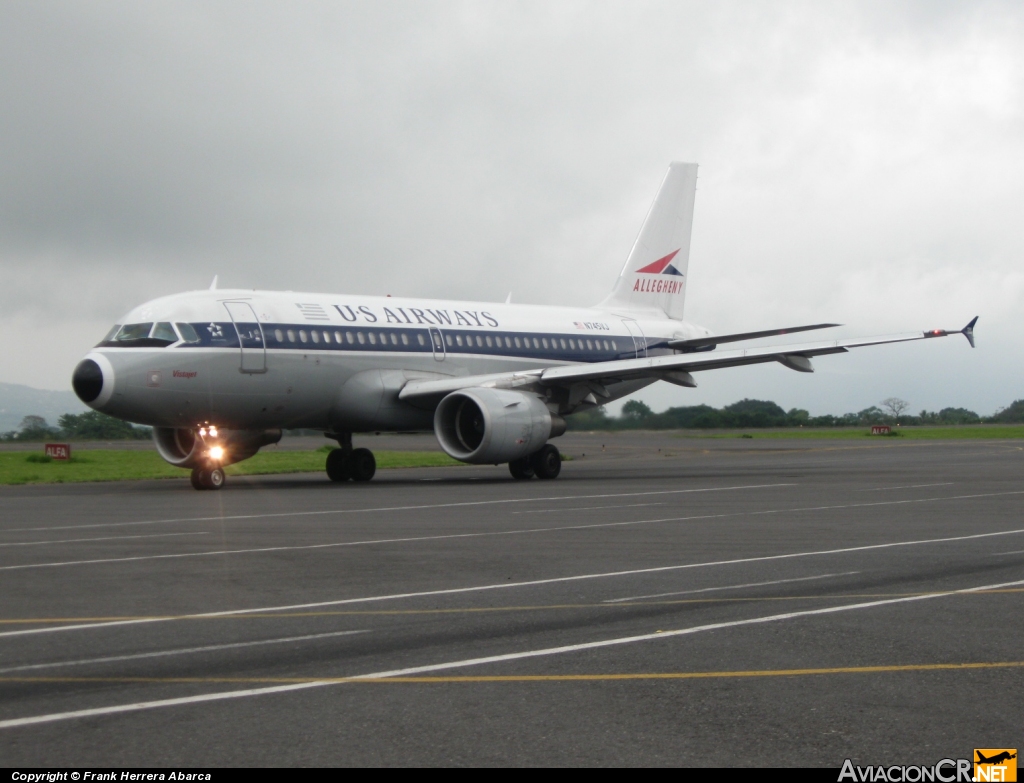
215 330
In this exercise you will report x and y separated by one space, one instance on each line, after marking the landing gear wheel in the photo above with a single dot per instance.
520 468
362 465
546 463
197 478
213 478
339 466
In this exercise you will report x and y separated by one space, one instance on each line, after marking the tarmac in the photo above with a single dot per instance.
665 601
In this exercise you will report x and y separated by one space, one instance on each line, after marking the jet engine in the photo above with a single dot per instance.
484 426
190 448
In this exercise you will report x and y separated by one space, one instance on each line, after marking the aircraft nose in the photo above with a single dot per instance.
87 380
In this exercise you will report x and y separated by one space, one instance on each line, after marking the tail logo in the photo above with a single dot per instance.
663 266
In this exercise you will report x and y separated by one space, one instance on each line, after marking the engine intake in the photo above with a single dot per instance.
489 426
184 448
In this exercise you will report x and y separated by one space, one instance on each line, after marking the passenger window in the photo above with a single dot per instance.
448 337
362 338
419 338
303 337
545 341
606 346
508 342
327 336
405 339
590 345
458 339
489 343
518 344
536 343
188 334
563 343
131 332
291 336
383 339
337 337
316 337
349 338
278 335
394 338
165 332
373 338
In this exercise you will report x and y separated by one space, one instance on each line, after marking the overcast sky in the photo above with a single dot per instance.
859 162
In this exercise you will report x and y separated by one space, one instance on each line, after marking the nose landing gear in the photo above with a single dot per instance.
207 478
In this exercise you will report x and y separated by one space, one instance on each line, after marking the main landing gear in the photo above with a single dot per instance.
348 463
207 478
544 464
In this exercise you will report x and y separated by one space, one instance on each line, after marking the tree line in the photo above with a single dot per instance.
636 415
764 413
91 425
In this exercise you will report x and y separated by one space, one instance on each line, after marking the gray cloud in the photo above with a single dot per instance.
862 163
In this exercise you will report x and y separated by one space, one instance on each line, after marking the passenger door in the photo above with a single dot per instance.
250 337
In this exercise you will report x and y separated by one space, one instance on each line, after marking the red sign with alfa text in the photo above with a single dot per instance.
57 450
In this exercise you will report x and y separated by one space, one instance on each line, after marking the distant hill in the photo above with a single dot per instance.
17 402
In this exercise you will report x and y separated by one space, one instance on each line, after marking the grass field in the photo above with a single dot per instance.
19 467
968 431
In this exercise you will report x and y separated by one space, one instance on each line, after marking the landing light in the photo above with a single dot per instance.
213 431
216 453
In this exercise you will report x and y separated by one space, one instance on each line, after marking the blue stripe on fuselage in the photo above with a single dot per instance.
300 337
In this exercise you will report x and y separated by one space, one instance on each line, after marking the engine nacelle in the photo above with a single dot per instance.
484 426
186 448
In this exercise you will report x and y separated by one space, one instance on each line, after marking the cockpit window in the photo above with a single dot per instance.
110 335
164 331
188 334
145 335
132 332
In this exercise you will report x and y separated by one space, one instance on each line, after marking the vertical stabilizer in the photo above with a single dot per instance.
654 277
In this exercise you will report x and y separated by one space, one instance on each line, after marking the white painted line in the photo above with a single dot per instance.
104 538
488 534
516 656
402 508
727 587
1015 552
584 508
503 585
184 651
908 486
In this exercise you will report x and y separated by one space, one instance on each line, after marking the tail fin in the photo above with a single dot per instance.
654 277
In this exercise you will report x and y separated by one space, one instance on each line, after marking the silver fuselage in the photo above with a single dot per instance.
297 360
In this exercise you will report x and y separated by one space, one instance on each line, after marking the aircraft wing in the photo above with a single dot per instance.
674 367
718 339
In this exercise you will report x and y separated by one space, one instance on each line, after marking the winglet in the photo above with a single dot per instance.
213 285
968 331
508 299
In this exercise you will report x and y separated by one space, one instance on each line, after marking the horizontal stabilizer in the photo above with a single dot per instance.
701 342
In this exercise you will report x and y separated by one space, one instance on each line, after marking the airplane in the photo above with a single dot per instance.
219 374
996 759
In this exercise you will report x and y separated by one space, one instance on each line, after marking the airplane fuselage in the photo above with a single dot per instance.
254 360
